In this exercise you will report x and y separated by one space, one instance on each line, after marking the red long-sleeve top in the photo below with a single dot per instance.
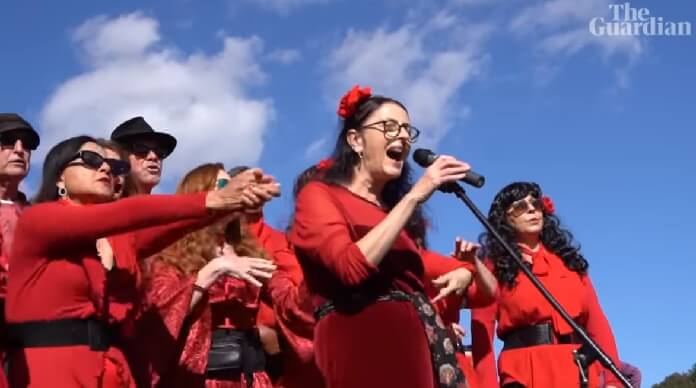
523 305
57 274
323 231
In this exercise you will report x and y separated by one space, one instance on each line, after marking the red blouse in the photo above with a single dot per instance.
56 274
322 230
179 358
523 305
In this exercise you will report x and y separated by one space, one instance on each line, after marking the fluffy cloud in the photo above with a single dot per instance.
203 100
563 27
416 64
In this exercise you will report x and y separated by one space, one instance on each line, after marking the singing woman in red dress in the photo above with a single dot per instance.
353 232
538 342
65 310
208 302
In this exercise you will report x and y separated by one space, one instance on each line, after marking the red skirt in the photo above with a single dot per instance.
384 345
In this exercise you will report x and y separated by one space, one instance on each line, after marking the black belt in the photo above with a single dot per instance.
96 334
534 335
357 302
235 352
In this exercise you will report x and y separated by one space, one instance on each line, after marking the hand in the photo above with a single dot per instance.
453 281
459 331
249 269
443 170
249 192
465 250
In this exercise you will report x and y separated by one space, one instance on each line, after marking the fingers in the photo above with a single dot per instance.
440 281
260 274
444 292
457 246
250 279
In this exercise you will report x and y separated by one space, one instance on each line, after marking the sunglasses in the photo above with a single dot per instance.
520 207
142 150
221 183
8 140
93 160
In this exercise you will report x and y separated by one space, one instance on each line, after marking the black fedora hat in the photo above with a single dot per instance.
14 123
132 130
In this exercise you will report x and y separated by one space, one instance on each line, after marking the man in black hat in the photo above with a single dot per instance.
147 150
18 139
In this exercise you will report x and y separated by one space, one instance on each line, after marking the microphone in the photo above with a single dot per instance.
425 158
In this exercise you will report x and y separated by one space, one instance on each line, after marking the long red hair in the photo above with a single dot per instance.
196 249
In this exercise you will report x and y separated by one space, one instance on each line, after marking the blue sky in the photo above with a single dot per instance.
520 89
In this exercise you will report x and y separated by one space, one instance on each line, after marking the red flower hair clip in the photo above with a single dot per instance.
350 101
549 207
325 164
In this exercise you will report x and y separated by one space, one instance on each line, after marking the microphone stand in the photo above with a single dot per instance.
589 351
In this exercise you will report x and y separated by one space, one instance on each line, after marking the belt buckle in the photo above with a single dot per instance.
97 336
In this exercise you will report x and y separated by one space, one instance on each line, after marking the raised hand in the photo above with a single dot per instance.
465 250
444 169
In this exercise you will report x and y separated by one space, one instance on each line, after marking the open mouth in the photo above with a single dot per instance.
397 152
153 169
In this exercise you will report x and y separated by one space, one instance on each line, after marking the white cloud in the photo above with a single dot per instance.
286 56
563 28
418 65
203 100
284 6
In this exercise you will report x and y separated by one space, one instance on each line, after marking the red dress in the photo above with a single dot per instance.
293 310
56 274
9 214
383 345
523 305
179 357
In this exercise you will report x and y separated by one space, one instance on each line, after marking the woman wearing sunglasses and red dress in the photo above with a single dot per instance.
538 343
66 308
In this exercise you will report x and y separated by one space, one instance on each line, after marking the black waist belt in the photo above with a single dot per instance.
234 352
357 302
96 334
534 335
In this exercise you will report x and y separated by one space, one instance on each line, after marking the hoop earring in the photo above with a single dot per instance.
62 192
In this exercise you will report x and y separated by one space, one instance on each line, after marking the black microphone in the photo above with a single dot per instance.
425 158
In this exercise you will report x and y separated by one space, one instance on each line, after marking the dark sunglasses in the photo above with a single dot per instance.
93 160
142 150
520 207
8 140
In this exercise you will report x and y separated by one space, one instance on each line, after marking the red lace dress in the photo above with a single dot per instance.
523 305
179 355
56 274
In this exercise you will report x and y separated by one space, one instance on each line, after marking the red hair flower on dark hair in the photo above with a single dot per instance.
350 101
549 207
325 164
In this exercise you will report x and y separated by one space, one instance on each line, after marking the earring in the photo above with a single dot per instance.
62 192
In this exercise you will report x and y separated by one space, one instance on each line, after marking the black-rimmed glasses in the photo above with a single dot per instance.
392 128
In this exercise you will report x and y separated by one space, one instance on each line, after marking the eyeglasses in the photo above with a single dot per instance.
93 160
520 207
142 150
221 183
392 128
8 140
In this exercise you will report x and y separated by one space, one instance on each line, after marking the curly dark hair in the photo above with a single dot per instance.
345 159
556 239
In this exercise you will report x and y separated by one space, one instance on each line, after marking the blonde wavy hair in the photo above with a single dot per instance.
192 252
